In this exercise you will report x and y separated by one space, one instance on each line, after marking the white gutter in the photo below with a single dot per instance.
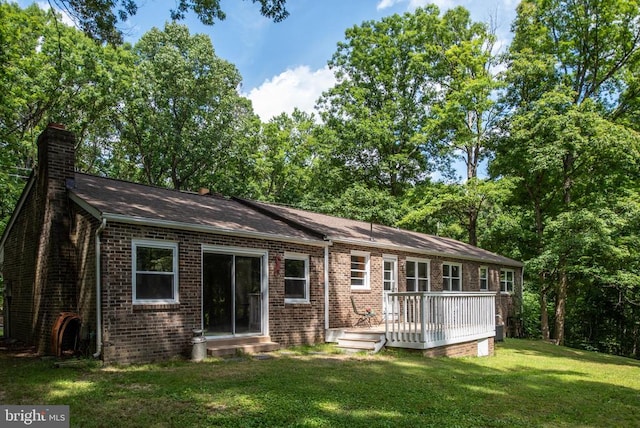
98 291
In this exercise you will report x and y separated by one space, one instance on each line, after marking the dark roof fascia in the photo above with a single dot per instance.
266 211
16 212
144 221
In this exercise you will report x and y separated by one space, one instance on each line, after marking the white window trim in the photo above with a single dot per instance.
394 259
513 281
305 258
367 270
419 260
135 243
450 277
486 268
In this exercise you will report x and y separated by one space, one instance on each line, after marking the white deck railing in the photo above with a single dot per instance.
424 320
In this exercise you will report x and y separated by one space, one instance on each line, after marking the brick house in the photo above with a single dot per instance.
141 267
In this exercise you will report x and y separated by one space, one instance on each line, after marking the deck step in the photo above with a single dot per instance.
247 345
363 335
361 341
357 344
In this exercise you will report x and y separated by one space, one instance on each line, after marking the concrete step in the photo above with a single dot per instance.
247 345
361 341
249 340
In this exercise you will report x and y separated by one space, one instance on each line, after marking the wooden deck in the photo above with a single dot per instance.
425 320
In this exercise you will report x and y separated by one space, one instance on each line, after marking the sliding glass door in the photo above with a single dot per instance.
231 294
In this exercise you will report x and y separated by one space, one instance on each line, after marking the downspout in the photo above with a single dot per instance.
326 286
98 290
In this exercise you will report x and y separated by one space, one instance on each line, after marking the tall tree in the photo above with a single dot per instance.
286 158
466 116
413 92
567 70
454 210
184 123
379 109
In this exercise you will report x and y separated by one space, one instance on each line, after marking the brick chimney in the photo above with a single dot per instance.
55 264
56 154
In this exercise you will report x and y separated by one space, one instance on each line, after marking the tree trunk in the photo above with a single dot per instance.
561 294
473 228
561 300
636 336
472 169
544 315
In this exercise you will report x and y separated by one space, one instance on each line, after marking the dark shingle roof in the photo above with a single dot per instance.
130 201
126 201
341 229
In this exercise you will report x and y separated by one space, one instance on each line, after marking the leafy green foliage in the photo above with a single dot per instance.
184 122
465 116
455 209
52 73
379 107
286 157
569 76
99 19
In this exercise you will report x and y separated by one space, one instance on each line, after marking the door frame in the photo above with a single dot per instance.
394 259
264 283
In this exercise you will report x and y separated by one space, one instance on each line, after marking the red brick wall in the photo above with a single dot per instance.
341 312
136 333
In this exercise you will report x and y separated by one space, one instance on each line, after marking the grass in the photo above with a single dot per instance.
527 384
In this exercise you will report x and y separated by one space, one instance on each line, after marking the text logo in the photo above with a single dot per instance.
34 416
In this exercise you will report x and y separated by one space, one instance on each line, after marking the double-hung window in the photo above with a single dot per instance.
296 278
418 275
506 280
451 276
359 270
155 271
484 278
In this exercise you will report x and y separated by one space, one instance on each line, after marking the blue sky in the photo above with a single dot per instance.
283 65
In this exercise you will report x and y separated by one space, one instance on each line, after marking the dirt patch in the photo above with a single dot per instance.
17 349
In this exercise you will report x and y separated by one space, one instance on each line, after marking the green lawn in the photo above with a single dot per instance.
527 383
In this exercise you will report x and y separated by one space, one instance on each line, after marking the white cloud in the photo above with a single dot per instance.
299 87
385 4
414 4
